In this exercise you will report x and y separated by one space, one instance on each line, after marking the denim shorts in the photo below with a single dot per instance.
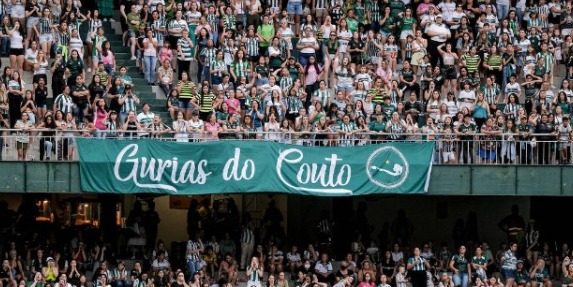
508 273
294 8
185 104
344 88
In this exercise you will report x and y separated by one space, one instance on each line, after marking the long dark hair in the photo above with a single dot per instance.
51 125
316 67
105 50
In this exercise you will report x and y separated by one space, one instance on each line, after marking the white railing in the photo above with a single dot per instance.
469 149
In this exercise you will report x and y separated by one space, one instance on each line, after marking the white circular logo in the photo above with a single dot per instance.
387 167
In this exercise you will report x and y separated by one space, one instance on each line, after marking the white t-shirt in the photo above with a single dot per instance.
308 49
439 29
564 132
447 10
255 6
344 43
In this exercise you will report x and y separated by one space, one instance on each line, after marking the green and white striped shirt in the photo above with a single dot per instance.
186 49
128 104
323 96
215 65
252 46
209 55
45 26
240 68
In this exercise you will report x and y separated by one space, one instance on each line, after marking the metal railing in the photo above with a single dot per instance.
449 149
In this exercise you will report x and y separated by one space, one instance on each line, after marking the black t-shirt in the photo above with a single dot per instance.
353 44
30 7
140 37
387 267
114 103
58 75
96 90
544 129
127 4
37 263
413 106
4 274
407 75
469 128
41 95
349 273
135 274
77 88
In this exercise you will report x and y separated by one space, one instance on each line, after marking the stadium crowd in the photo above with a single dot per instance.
261 256
341 73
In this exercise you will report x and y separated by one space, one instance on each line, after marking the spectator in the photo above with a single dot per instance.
254 272
160 263
229 269
24 125
6 275
48 140
16 46
324 272
165 77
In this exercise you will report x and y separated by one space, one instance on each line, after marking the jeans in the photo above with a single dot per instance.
303 58
262 81
206 71
109 69
79 111
122 117
166 88
502 11
47 145
461 279
48 148
5 46
216 80
193 266
100 134
149 63
519 14
507 72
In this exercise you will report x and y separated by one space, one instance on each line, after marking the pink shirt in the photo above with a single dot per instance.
107 60
164 54
364 284
212 128
384 74
232 103
423 7
311 75
100 117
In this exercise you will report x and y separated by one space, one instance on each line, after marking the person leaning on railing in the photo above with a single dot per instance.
24 126
231 127
3 125
544 149
48 137
157 128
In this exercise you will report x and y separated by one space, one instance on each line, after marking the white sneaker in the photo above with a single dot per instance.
133 58
112 20
104 19
89 70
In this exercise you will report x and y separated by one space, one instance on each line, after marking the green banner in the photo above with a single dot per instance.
149 166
